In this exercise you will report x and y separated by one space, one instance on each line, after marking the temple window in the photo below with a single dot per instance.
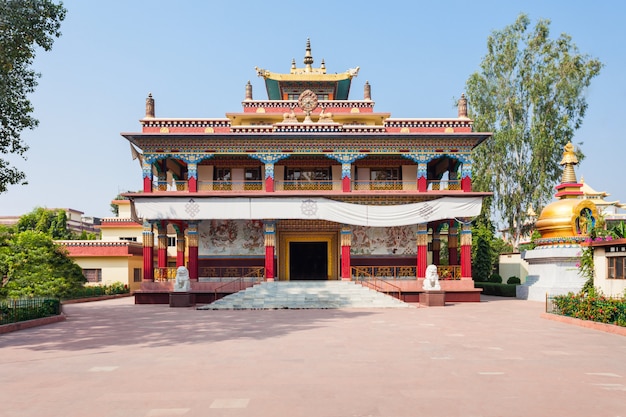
318 178
386 178
221 179
93 275
616 267
252 177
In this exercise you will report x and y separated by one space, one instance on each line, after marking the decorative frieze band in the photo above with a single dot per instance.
222 122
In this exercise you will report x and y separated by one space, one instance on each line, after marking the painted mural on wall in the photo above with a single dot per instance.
400 240
231 237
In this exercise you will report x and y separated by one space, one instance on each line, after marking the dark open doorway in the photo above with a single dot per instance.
308 260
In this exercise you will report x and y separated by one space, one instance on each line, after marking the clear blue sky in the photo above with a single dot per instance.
196 57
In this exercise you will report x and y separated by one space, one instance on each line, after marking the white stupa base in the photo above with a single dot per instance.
551 271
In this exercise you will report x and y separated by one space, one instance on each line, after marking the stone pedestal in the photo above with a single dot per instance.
182 299
433 298
551 271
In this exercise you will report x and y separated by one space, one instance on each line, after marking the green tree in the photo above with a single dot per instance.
482 250
24 26
530 92
33 265
51 222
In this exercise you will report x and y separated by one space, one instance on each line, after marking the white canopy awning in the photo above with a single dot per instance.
309 208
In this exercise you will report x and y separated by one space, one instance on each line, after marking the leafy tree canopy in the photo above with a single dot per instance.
24 25
31 264
51 222
530 92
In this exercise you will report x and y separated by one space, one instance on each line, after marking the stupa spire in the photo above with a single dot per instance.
308 58
568 161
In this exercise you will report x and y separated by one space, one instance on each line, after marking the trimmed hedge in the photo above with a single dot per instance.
23 309
493 288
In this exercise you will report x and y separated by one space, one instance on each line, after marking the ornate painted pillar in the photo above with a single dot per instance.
346 245
146 169
269 159
269 177
346 175
453 244
148 251
192 239
422 176
466 251
162 245
466 177
192 161
346 159
180 245
269 229
192 177
422 249
436 247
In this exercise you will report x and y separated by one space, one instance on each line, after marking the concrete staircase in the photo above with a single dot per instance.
305 294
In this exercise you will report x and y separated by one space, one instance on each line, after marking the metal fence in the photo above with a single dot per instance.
22 309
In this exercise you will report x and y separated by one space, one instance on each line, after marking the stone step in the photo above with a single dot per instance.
305 295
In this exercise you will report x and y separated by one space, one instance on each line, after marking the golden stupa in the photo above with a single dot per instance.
569 219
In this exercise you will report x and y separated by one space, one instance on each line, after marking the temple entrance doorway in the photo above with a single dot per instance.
308 256
308 261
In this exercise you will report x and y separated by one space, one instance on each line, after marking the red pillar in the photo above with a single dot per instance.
466 252
422 184
422 250
193 185
192 238
162 246
147 184
269 229
148 252
345 184
346 244
269 263
466 184
269 184
453 246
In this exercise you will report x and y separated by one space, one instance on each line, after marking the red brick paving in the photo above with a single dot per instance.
494 358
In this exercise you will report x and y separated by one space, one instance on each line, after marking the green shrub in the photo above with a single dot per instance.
495 278
513 280
98 290
494 288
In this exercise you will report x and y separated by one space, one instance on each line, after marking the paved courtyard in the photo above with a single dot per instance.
494 358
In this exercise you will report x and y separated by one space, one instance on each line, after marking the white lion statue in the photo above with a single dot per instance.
431 283
182 279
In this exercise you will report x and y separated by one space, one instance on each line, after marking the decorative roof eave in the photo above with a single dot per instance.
476 136
305 76
238 119
322 103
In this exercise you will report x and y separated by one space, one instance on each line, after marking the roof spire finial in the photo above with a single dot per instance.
462 107
248 91
149 106
308 58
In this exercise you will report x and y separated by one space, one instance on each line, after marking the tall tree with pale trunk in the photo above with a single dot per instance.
530 92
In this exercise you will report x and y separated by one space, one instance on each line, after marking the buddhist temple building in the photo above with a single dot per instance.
307 184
